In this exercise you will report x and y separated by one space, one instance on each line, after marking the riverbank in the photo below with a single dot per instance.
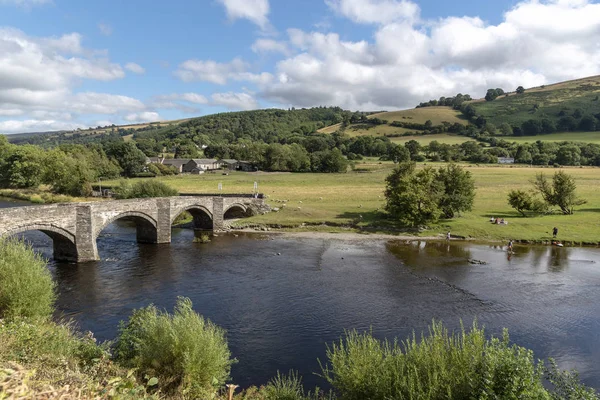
355 202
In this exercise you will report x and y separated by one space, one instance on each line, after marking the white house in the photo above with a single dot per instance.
506 160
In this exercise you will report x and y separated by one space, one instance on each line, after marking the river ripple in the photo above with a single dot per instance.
283 299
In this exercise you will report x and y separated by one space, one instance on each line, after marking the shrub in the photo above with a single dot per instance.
285 387
184 351
439 366
143 189
26 286
41 357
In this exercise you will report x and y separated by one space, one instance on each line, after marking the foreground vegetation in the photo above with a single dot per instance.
183 356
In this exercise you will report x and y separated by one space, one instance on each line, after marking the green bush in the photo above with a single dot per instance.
38 357
143 189
187 353
26 286
439 366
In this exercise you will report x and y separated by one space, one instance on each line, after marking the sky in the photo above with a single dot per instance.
67 64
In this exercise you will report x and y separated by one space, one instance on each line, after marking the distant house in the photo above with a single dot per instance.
205 164
178 163
246 166
230 164
506 160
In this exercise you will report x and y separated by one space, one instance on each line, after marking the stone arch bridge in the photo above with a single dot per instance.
74 227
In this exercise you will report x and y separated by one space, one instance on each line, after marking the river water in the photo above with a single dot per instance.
282 299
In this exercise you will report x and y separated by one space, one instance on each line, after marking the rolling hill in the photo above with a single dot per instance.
549 101
400 134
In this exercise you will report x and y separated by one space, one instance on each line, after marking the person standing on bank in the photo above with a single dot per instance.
554 232
448 236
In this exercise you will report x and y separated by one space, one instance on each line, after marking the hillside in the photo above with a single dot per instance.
410 119
576 98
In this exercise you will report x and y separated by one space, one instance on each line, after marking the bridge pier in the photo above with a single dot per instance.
163 222
85 241
217 214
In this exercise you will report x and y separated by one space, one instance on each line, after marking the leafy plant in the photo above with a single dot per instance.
187 353
26 286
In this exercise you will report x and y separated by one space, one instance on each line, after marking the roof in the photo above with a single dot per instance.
175 161
229 161
203 160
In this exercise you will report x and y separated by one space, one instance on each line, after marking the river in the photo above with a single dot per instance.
282 299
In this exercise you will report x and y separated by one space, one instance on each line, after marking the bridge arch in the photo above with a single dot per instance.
202 216
63 241
145 225
237 210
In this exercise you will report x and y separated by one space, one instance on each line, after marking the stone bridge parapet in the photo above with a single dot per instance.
74 227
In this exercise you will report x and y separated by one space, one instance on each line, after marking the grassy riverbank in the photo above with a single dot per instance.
330 202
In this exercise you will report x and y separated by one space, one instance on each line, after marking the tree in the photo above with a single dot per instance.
520 201
398 154
520 90
413 197
131 159
560 192
413 147
459 190
569 154
506 129
491 94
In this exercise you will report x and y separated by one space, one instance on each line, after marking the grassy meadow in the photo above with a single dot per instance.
542 102
437 115
587 137
356 199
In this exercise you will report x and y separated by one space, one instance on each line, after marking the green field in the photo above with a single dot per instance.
542 102
447 138
436 115
587 137
356 198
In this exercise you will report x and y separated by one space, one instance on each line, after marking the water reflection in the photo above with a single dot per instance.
281 300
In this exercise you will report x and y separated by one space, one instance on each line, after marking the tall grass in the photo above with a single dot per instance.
187 353
26 286
462 365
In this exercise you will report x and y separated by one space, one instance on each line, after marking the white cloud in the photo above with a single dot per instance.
135 68
32 125
146 116
270 46
375 11
39 76
105 29
408 61
256 11
235 101
219 73
180 101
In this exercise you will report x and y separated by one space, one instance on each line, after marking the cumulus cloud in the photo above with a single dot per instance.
375 11
32 125
270 46
146 116
219 73
234 101
38 78
135 68
256 11
403 63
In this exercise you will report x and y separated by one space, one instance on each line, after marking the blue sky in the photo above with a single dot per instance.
66 64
